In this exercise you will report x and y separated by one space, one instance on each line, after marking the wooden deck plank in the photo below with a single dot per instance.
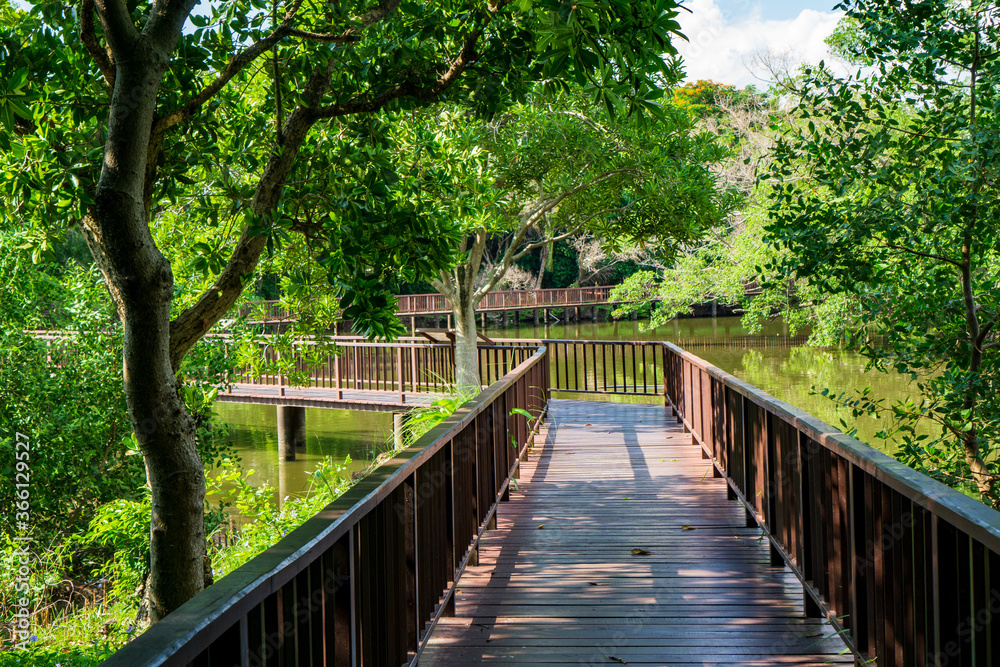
558 582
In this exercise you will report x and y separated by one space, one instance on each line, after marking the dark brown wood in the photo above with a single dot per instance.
901 563
558 583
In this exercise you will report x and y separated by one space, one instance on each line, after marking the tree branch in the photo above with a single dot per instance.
928 255
118 27
327 38
255 50
88 35
234 67
410 89
166 21
573 232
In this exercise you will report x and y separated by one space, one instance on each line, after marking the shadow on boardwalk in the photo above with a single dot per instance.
620 548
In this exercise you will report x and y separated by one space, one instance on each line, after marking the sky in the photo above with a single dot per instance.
724 34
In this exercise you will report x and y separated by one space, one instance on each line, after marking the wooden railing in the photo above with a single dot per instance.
415 304
403 367
907 568
601 366
365 580
576 366
420 304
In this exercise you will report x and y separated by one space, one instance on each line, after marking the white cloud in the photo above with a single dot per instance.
722 43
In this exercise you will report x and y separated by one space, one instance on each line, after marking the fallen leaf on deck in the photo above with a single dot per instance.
540 526
687 527
617 659
641 552
586 424
598 583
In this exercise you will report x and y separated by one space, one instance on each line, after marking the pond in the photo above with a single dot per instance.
794 374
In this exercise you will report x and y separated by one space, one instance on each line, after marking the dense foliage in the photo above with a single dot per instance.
885 191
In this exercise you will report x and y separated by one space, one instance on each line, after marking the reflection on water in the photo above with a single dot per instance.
329 433
791 374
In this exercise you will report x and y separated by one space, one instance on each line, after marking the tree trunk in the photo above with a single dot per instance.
543 261
141 284
466 345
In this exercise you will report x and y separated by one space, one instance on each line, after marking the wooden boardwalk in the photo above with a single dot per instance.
619 547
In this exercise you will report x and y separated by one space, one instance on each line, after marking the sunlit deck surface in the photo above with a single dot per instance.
316 397
558 581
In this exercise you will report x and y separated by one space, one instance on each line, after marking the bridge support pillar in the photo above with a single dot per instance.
506 322
291 430
535 313
413 325
398 429
482 319
448 319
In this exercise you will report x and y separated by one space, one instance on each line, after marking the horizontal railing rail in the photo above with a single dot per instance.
400 367
365 580
905 567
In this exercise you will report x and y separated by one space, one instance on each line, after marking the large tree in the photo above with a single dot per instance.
553 168
110 105
885 190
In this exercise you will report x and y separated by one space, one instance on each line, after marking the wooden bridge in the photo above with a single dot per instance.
499 301
722 528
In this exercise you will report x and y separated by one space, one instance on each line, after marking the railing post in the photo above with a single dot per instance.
336 375
413 369
281 374
399 373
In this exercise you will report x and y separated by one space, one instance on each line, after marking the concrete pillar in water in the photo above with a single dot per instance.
283 482
291 431
535 313
505 321
715 308
398 428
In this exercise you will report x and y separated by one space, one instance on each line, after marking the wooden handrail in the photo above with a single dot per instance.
365 580
906 567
